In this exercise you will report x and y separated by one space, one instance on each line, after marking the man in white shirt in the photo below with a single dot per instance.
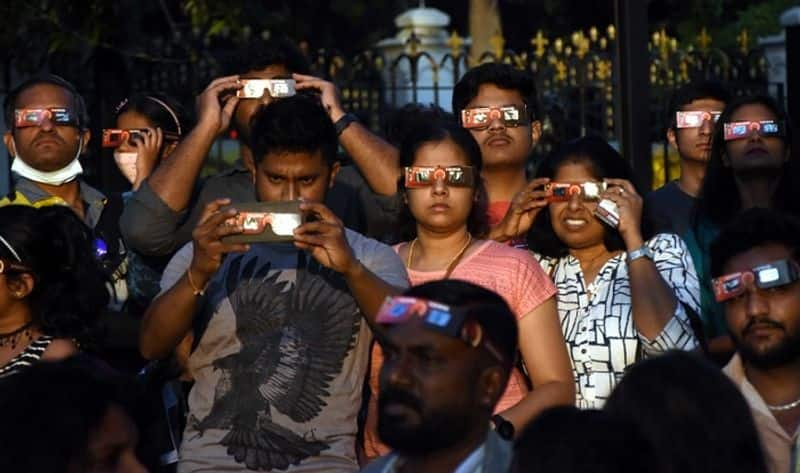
756 271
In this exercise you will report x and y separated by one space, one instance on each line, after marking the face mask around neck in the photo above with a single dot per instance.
54 178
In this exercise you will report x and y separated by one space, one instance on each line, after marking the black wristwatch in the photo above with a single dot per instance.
344 122
504 428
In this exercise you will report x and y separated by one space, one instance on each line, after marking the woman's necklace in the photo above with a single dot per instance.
13 338
591 287
453 262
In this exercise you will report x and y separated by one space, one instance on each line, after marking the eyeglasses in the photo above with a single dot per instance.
561 192
28 117
695 119
113 137
479 118
8 267
424 176
451 321
774 274
739 130
277 88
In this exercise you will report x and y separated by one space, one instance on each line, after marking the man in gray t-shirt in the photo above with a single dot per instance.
281 348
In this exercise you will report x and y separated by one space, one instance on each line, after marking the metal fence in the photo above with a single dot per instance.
576 79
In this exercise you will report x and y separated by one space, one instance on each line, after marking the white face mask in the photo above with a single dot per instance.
126 162
54 178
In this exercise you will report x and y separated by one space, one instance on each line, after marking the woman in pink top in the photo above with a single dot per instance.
445 207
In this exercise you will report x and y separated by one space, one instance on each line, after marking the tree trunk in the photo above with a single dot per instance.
484 23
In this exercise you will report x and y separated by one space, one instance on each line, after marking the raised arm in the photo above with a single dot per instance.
654 302
377 160
174 179
170 315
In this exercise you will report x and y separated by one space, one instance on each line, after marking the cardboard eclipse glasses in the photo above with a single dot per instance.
113 137
739 130
424 176
255 88
562 192
59 116
451 321
695 119
774 274
482 117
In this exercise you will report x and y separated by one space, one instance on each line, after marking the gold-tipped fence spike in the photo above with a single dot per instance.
539 43
703 40
412 45
743 39
456 44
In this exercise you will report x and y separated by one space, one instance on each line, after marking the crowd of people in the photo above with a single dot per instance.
410 301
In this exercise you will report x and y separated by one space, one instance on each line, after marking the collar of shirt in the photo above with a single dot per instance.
95 200
472 464
735 371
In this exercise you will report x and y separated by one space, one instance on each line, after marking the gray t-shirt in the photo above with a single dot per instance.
280 358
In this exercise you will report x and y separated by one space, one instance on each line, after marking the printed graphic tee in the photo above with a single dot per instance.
280 360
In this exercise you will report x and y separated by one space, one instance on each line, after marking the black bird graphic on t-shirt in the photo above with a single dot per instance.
294 339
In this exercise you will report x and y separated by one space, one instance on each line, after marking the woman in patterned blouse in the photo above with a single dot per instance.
619 297
51 285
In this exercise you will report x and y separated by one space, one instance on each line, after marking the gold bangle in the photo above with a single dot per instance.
195 290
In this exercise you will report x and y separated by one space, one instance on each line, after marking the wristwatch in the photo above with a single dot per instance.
344 122
642 252
504 428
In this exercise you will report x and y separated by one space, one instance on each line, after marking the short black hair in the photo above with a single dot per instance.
503 76
486 307
78 104
164 111
435 131
691 412
694 91
258 53
603 161
754 227
294 124
401 121
606 444
719 200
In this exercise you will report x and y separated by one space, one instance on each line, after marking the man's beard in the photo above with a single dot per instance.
784 352
437 430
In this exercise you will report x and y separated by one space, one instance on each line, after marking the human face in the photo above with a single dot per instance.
292 176
755 152
132 119
246 108
441 207
429 394
503 146
694 144
573 221
47 147
112 445
764 323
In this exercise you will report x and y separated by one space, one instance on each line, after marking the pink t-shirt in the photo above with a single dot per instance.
512 273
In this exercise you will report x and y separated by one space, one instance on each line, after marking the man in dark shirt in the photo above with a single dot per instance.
693 111
160 216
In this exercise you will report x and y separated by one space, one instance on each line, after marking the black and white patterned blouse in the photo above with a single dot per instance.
597 319
29 356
